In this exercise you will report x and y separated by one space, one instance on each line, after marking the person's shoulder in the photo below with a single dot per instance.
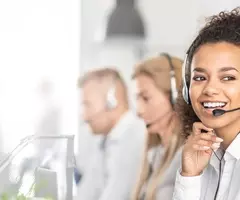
134 130
136 122
137 130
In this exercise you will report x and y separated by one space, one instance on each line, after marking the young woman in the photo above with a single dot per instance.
157 80
210 159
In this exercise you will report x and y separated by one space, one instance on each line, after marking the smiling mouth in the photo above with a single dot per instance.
213 105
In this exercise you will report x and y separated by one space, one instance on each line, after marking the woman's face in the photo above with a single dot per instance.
215 83
152 103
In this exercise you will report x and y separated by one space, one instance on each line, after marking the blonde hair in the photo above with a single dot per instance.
158 69
101 75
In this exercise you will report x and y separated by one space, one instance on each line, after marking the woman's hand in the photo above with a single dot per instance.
197 150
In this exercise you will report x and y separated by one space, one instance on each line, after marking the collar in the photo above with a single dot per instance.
232 152
234 148
155 154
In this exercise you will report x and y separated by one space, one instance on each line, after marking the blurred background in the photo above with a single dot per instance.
46 45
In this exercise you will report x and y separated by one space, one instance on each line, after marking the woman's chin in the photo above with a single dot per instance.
214 123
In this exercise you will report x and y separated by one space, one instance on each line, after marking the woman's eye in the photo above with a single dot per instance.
198 78
229 78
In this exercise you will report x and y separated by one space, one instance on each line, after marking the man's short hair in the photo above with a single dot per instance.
101 75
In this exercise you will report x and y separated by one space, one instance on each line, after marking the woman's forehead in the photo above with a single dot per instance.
216 56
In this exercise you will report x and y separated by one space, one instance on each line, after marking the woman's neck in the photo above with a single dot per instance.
165 139
228 133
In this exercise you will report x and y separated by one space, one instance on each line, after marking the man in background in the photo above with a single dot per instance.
112 172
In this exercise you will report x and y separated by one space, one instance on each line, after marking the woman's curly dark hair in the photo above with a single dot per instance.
224 27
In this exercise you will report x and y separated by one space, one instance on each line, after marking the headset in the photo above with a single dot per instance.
173 82
185 79
185 89
111 100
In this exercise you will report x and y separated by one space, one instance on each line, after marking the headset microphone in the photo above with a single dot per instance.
219 112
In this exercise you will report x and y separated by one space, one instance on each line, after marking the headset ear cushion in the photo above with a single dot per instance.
185 89
111 99
185 94
173 84
174 92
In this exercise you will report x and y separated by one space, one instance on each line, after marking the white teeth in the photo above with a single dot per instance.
213 104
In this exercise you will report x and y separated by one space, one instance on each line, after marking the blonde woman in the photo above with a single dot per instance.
157 81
